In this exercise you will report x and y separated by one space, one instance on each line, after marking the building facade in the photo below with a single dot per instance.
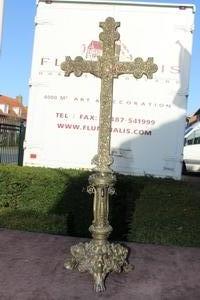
12 108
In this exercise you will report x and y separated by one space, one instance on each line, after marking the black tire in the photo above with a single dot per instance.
184 169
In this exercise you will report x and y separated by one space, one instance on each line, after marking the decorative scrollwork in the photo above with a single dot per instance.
90 189
98 260
111 190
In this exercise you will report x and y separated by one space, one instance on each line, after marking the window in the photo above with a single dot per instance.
4 108
197 140
193 138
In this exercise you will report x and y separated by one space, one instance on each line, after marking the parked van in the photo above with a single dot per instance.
191 151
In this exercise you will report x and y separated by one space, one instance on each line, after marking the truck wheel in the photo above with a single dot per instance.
184 169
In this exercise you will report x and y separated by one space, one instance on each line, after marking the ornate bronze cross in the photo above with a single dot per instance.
99 257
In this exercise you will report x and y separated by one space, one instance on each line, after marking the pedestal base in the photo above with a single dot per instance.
98 258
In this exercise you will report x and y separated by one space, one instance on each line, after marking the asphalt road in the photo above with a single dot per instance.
192 177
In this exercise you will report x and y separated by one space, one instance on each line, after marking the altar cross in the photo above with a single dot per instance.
108 67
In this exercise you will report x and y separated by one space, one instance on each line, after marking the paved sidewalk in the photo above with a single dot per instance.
31 268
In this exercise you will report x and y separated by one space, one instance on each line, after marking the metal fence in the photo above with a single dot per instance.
12 133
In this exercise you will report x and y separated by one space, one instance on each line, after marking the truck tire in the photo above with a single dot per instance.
184 169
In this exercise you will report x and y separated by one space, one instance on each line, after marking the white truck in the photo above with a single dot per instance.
191 151
148 115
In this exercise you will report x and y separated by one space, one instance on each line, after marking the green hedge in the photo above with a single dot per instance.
143 209
167 212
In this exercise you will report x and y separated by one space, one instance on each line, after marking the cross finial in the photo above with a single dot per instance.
108 67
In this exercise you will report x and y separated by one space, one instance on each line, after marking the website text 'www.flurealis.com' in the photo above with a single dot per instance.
77 127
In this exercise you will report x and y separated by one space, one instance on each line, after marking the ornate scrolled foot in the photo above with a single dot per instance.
99 259
128 267
70 264
99 274
99 285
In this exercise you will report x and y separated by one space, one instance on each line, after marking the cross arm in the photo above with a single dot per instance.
78 66
137 68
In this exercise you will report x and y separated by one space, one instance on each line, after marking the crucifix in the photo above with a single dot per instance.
100 257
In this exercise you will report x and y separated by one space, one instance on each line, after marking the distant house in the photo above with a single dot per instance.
12 108
194 118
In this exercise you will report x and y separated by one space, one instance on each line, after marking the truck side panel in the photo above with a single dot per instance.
148 115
